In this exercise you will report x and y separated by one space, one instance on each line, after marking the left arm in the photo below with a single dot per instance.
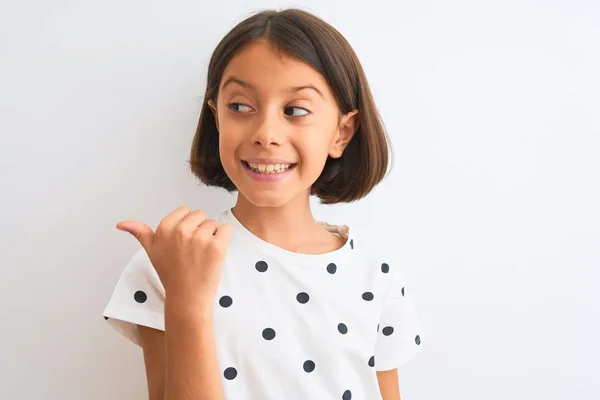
388 384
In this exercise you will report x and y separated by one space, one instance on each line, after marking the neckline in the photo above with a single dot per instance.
254 241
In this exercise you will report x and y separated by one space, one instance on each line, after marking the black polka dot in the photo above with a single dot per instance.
385 268
368 296
342 328
331 268
351 246
402 292
140 296
225 301
418 339
309 366
388 330
261 266
105 318
347 395
372 361
302 297
230 373
268 334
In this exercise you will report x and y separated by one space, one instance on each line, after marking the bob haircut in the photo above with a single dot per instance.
308 38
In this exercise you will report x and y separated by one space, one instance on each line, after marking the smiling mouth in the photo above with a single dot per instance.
268 169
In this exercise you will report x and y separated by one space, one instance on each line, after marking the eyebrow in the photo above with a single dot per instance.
233 79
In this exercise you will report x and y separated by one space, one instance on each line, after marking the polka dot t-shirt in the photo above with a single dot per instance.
289 325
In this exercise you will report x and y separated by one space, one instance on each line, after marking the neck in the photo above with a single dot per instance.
290 226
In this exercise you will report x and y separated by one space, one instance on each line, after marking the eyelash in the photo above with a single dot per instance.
242 104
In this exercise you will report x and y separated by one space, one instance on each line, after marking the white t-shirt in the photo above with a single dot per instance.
289 325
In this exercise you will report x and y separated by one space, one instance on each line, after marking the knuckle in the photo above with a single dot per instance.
181 231
182 208
199 237
203 234
200 213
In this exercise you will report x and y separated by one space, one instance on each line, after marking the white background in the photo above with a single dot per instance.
494 111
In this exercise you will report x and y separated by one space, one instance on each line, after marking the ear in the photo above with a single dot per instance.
348 126
213 107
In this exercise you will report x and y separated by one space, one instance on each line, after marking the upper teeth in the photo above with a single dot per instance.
270 167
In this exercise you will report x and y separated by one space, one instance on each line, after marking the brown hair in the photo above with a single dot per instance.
300 34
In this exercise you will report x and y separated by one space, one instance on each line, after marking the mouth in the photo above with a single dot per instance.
271 168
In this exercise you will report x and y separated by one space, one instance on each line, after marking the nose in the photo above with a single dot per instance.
270 131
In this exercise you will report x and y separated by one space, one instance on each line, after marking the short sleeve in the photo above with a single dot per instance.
137 299
400 334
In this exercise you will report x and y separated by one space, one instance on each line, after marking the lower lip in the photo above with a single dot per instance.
272 177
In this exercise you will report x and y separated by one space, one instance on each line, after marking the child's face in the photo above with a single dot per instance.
262 119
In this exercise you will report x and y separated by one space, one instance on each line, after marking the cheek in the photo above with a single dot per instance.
319 143
313 153
227 149
230 137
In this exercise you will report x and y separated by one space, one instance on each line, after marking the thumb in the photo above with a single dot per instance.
142 232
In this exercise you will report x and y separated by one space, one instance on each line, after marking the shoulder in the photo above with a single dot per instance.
382 260
369 248
140 260
140 271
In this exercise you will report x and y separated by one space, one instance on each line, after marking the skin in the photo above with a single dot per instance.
265 118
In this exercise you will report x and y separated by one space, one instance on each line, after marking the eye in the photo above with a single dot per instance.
306 112
233 106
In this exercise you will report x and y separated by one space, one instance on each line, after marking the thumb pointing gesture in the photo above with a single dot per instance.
186 250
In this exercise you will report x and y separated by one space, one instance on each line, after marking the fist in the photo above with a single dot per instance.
187 251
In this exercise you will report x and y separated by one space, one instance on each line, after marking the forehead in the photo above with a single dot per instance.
267 69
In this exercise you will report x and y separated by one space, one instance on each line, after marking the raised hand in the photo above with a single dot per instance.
187 251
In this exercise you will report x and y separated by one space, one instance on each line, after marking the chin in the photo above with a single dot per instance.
266 199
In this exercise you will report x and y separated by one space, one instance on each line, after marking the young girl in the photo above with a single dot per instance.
264 302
